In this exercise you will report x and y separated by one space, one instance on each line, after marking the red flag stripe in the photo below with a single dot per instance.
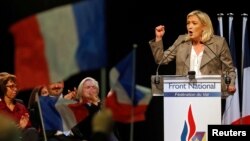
122 112
29 44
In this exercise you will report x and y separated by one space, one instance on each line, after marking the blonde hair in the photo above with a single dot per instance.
206 22
80 87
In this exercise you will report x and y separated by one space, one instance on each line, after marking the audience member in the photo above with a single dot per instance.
35 117
16 111
37 91
8 129
102 125
87 94
56 89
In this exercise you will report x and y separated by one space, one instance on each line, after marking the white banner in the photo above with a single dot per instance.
189 106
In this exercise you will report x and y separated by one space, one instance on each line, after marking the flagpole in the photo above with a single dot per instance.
220 19
41 116
133 92
103 83
244 22
220 33
243 46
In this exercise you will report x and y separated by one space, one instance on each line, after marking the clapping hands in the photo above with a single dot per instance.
23 122
71 95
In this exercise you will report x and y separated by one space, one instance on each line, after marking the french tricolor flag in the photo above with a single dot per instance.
61 114
127 100
55 44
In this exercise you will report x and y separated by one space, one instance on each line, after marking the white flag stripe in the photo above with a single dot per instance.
60 43
246 96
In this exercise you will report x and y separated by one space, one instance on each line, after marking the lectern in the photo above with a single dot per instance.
189 106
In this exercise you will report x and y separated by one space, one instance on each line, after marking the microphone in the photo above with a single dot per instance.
157 77
191 74
227 79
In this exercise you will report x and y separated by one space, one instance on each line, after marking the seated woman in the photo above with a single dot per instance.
34 109
88 95
16 111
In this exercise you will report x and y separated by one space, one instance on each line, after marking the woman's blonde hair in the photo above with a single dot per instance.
80 87
206 22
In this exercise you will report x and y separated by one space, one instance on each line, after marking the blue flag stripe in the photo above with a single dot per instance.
91 52
232 41
49 112
126 69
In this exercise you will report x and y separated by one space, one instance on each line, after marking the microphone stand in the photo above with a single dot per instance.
227 79
157 77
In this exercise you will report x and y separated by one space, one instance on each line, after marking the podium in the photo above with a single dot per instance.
189 105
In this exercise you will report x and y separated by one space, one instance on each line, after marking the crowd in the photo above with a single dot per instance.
27 123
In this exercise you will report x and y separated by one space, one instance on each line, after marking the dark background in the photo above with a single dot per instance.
127 22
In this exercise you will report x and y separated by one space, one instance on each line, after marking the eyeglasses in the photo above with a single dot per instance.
12 86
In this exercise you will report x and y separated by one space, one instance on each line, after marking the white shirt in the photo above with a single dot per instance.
195 61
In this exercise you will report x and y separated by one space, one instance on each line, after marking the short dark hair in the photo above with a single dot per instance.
4 78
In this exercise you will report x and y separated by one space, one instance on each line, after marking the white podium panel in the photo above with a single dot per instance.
189 106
